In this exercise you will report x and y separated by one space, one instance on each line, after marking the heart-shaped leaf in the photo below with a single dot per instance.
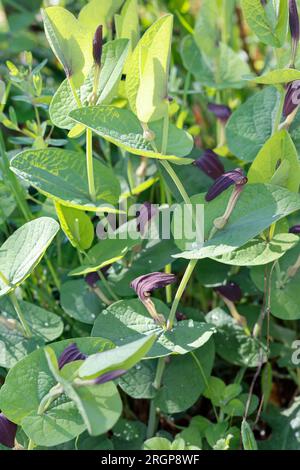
62 175
128 320
278 150
23 250
77 226
258 207
122 128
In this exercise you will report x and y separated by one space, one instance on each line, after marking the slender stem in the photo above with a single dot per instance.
204 380
52 272
168 270
279 112
176 181
31 445
19 312
152 422
89 164
184 281
107 286
165 135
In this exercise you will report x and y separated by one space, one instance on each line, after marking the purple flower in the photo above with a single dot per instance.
70 354
263 2
108 376
231 291
210 164
8 431
147 283
144 285
294 28
236 177
292 98
92 278
221 111
97 45
295 229
144 215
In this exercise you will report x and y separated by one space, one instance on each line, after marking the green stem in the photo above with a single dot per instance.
182 286
164 144
152 422
168 270
31 445
107 286
74 92
176 181
89 164
19 312
204 380
52 272
279 111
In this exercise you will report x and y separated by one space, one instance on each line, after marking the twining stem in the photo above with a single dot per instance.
19 312
152 423
182 286
107 286
89 164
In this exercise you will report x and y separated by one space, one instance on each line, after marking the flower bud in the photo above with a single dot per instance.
295 229
221 111
231 291
294 28
210 164
70 354
8 431
97 45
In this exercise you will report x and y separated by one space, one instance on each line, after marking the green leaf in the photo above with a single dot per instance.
258 207
23 250
8 203
148 71
278 76
106 252
127 26
76 225
128 320
261 23
232 343
80 302
225 71
122 357
285 296
276 151
251 125
112 62
62 176
285 428
248 439
31 377
122 128
206 33
14 345
70 41
44 324
194 369
259 252
95 13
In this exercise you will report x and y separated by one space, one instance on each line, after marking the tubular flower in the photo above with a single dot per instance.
295 229
108 376
92 278
236 177
8 431
144 285
210 164
231 291
70 354
146 212
292 98
294 28
221 111
97 45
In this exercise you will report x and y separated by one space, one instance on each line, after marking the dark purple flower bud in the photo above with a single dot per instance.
263 2
92 278
236 177
292 98
97 45
112 375
144 215
144 285
8 431
210 164
295 229
70 354
294 27
180 316
231 291
221 111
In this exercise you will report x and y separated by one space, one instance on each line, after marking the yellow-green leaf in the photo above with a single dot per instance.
77 226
